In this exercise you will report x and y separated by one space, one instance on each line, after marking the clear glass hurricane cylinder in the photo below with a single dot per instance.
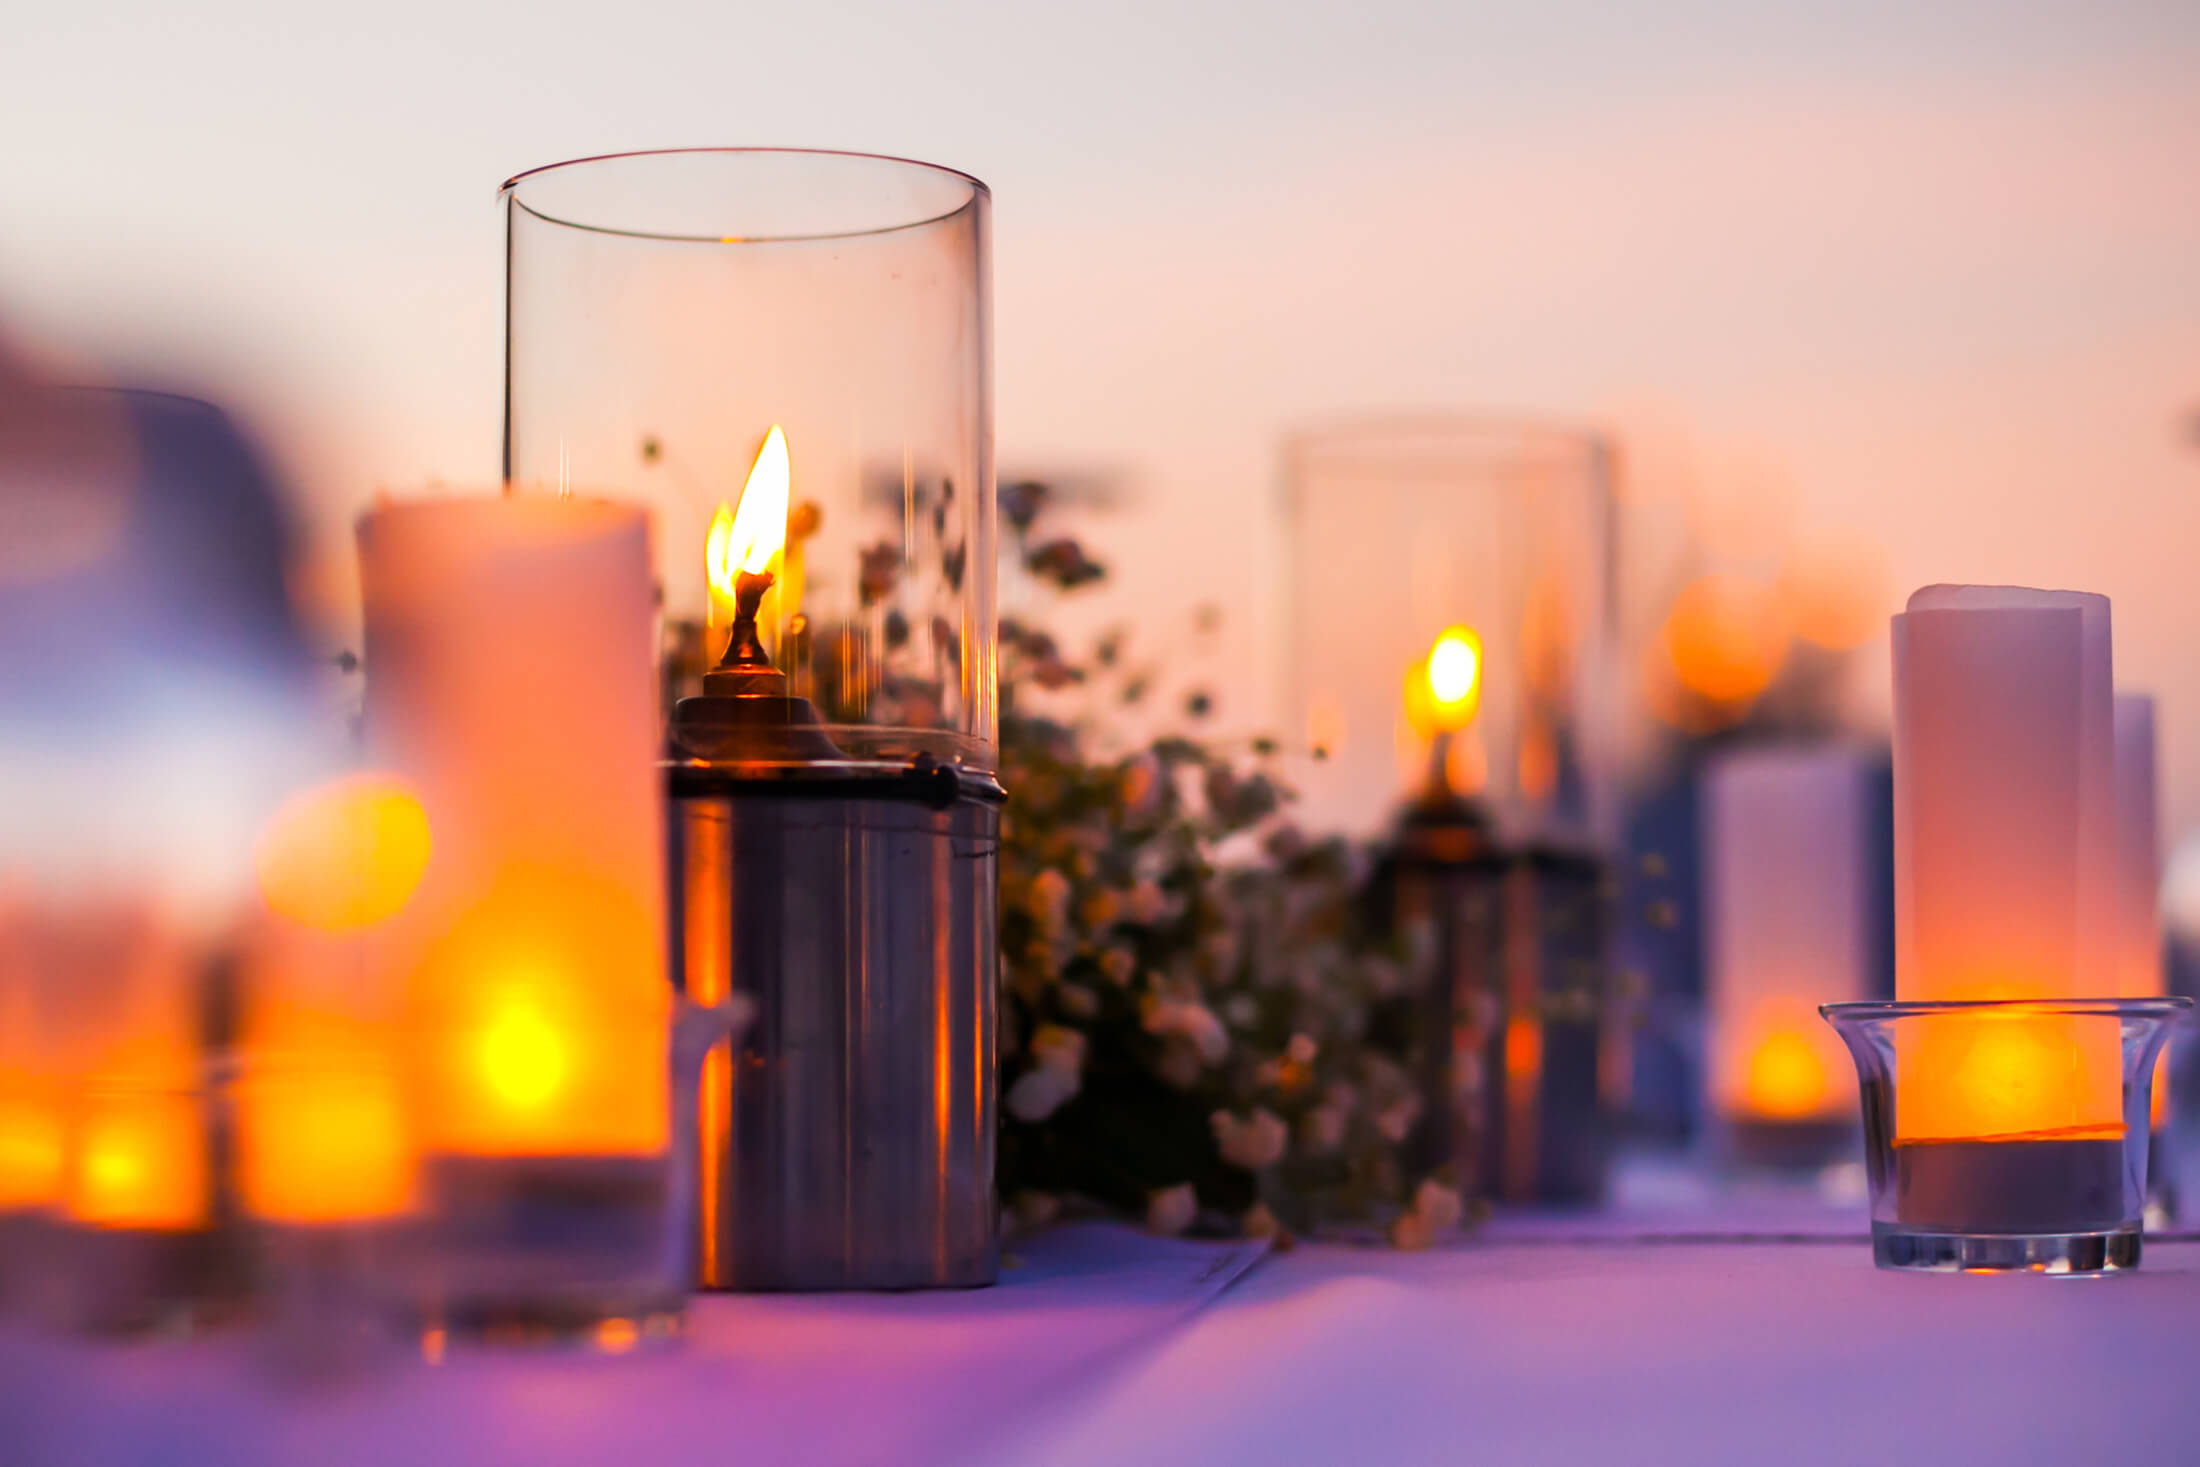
668 311
1451 623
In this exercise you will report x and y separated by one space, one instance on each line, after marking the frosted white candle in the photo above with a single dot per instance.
2138 851
2004 803
1786 916
2005 859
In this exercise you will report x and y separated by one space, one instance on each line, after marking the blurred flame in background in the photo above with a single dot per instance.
1787 1078
1724 639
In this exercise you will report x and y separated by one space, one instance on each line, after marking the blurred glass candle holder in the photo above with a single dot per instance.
140 1235
682 321
510 681
1994 1138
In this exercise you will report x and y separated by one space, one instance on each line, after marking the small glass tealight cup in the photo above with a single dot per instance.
2007 1135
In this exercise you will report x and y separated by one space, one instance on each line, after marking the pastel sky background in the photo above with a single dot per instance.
1926 275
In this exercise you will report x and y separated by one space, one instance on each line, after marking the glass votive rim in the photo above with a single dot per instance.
2050 1184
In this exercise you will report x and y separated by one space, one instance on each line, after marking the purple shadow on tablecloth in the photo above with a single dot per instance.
808 1378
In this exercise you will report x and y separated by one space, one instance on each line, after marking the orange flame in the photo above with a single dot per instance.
747 539
1444 689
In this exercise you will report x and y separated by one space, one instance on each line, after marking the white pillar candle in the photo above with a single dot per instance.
2139 870
510 679
1786 916
2005 855
2138 851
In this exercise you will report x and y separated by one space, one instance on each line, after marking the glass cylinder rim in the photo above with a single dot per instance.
1870 1010
977 189
1377 438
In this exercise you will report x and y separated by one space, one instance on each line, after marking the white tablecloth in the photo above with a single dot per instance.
1540 1343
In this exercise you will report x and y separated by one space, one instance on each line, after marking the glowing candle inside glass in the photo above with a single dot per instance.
2005 889
135 1152
1785 922
510 680
31 1153
324 1136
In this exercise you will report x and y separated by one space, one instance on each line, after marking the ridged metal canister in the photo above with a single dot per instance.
848 1142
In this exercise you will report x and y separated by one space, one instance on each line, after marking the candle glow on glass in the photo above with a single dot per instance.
30 1093
31 1152
139 1161
323 1136
2005 864
327 1141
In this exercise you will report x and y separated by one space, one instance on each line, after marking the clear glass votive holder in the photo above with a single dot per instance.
2007 1135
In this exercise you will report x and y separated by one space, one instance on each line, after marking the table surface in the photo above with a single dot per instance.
1620 1339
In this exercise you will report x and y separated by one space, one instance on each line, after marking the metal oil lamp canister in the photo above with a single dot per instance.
777 334
848 1141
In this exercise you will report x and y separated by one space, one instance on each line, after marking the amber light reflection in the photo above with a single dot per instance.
1725 639
140 1161
1973 1077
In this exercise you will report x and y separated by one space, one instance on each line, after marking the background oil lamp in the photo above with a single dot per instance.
750 340
1478 556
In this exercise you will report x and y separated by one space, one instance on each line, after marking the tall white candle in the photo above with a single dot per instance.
1786 919
510 678
2004 805
2005 854
2138 851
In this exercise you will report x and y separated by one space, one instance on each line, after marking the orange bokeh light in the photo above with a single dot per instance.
1725 638
1786 1079
344 855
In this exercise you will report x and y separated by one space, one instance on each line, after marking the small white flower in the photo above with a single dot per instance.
1438 1205
1036 1209
1040 1091
1179 1064
1253 1143
1099 910
1396 1121
1322 1129
1141 786
1050 901
1055 1047
1170 1210
1200 1025
1119 965
1411 1232
1241 1009
1192 1021
1145 904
